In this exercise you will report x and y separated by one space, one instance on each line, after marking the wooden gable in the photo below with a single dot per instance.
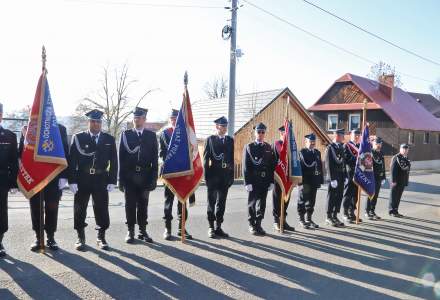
343 92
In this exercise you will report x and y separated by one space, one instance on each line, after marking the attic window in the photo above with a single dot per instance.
411 138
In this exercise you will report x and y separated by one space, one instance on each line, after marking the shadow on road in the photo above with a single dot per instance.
37 284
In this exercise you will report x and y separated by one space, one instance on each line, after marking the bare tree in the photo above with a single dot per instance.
113 99
382 68
18 117
217 88
435 89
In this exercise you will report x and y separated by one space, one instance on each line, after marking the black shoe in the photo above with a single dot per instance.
260 230
287 227
143 235
187 235
376 217
276 227
331 222
81 241
167 232
312 224
35 246
2 250
211 233
338 222
129 239
398 215
52 244
101 242
219 232
252 229
369 216
304 224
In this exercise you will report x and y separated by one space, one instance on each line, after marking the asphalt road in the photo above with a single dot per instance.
387 259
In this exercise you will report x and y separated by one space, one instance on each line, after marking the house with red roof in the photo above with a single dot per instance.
392 113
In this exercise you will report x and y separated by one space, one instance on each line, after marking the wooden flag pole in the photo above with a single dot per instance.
282 216
41 198
364 116
182 231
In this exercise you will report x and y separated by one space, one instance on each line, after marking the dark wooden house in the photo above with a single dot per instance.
393 114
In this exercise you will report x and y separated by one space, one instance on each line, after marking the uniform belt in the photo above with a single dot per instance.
94 171
221 165
139 168
261 174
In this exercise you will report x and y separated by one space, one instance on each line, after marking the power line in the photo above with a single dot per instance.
373 34
144 4
327 41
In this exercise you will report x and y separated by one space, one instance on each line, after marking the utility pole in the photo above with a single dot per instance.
233 60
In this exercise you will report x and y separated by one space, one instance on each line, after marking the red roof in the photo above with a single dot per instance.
402 109
344 106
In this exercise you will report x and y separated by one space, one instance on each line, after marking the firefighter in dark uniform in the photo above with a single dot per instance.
335 165
93 163
164 141
138 171
276 193
400 168
218 162
258 172
351 150
52 196
312 178
379 177
8 175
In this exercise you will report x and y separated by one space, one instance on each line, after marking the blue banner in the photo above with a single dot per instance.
178 161
49 144
295 165
364 175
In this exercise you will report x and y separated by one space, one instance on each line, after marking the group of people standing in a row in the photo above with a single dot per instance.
95 169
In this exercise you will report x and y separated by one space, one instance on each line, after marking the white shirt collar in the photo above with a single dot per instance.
138 130
92 135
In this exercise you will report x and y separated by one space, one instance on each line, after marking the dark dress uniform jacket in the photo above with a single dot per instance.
105 160
400 167
139 168
350 158
65 172
218 161
259 163
335 164
311 167
378 166
8 159
164 141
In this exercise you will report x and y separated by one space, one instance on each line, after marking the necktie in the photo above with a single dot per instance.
139 134
223 140
95 138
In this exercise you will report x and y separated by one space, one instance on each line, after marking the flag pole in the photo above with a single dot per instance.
364 116
182 231
41 198
283 197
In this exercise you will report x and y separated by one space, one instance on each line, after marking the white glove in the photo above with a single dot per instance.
248 188
270 187
62 183
13 191
110 187
393 184
334 184
73 188
345 181
300 188
383 181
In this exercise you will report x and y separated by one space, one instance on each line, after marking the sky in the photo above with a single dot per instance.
160 43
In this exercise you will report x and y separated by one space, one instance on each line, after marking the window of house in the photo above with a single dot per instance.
411 138
354 121
332 122
426 138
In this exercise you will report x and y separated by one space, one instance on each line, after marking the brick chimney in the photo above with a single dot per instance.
386 85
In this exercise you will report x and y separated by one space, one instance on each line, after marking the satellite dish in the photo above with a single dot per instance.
226 32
